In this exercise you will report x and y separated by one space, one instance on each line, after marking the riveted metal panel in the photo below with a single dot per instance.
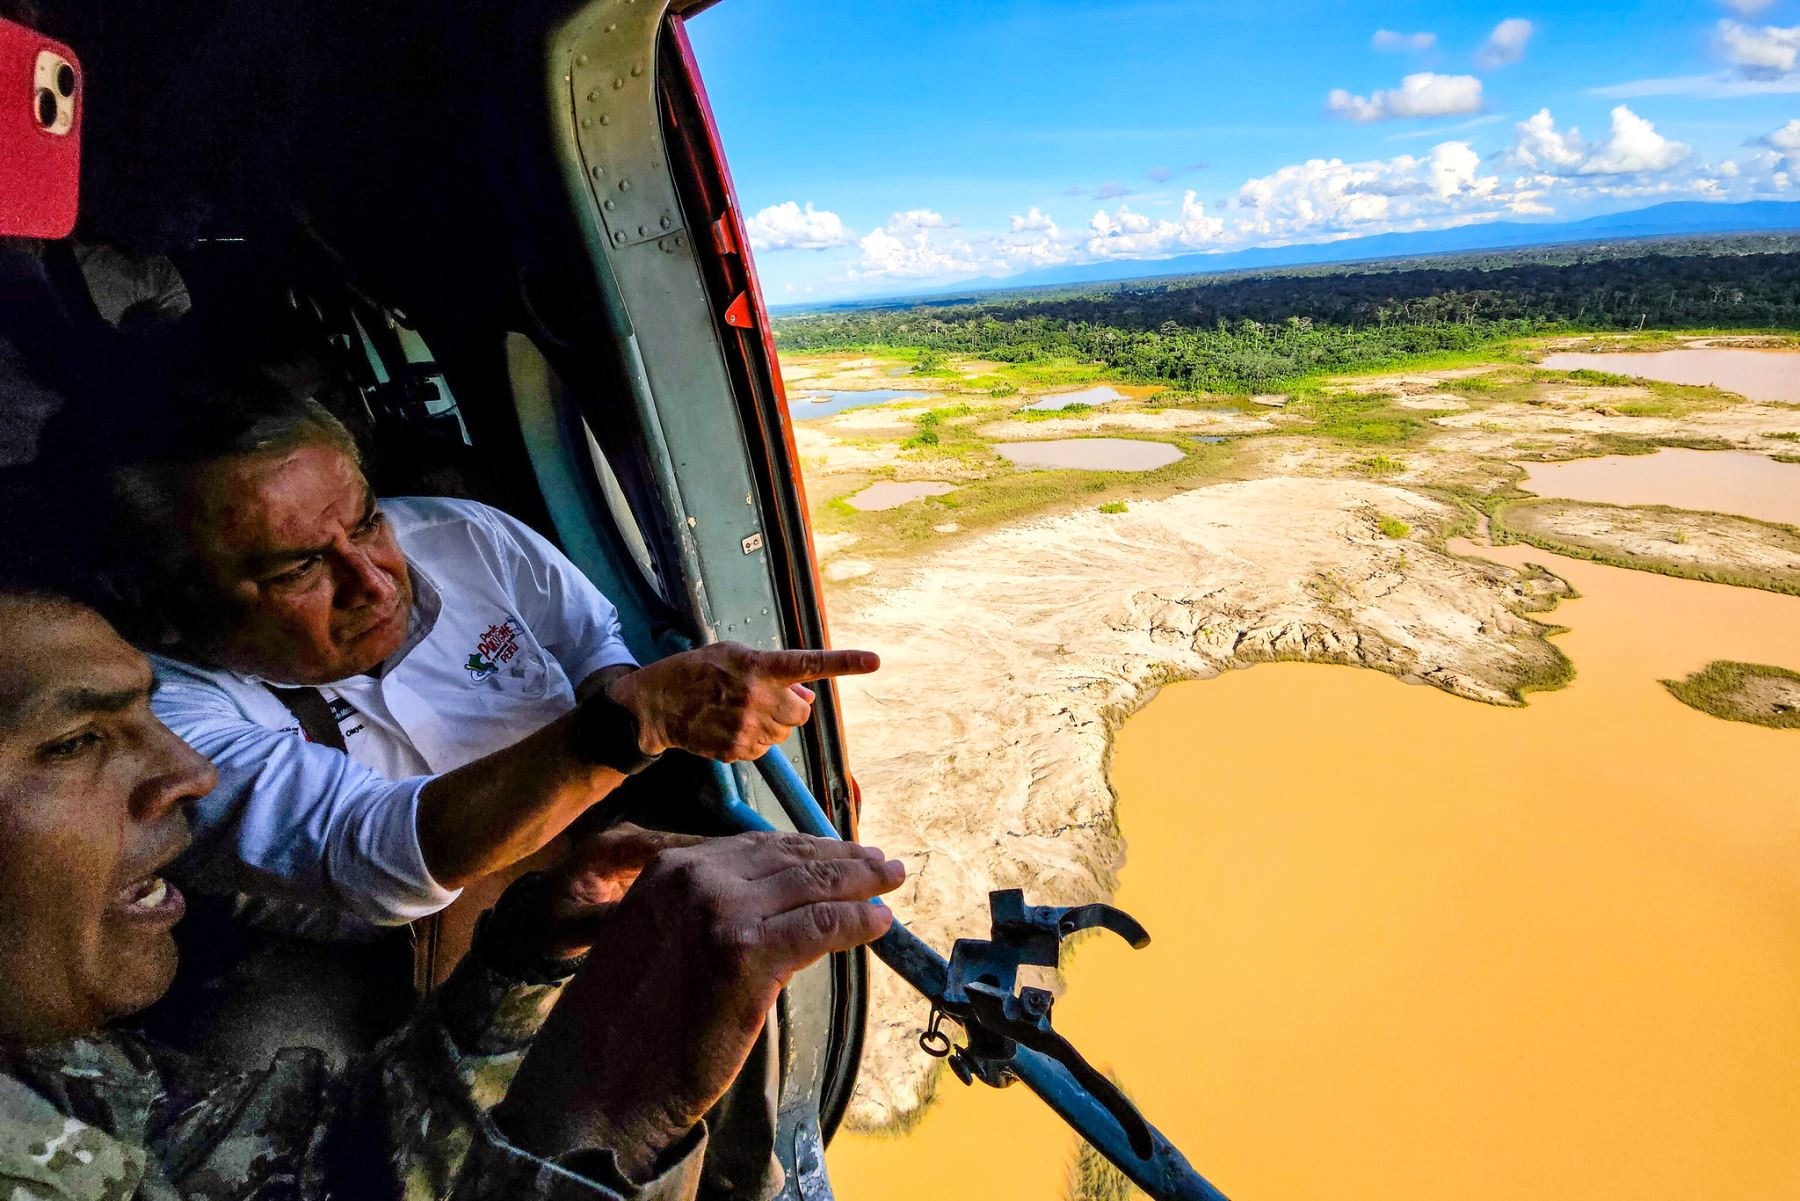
612 86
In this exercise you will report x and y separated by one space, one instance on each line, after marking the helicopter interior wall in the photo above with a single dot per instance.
347 150
398 156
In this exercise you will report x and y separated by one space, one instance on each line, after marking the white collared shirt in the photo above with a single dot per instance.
503 629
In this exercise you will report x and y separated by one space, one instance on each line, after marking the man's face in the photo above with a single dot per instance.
91 793
315 586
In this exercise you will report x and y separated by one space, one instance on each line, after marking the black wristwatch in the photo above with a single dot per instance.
606 732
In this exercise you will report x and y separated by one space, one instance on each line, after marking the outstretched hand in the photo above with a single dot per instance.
686 967
572 899
729 701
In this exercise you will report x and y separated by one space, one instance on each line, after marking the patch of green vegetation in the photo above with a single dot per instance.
1749 692
1630 535
1786 435
1668 400
1378 465
1584 375
1357 418
1392 527
1604 443
1040 373
1786 458
1532 385
1114 506
943 413
1002 390
934 363
1074 410
935 431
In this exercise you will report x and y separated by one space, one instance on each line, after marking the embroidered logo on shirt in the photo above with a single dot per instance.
499 643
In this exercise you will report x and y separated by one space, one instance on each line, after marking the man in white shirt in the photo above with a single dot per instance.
476 680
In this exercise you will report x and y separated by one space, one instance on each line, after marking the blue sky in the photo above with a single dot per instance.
881 147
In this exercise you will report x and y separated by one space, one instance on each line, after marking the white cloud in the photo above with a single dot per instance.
1787 138
1785 142
1127 234
1748 7
1632 148
1420 95
1770 50
1329 196
913 220
787 226
1034 241
1506 44
912 246
1387 39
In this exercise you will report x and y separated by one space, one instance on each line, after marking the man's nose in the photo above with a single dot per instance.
179 774
362 581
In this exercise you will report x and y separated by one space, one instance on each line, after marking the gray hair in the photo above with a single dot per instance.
155 587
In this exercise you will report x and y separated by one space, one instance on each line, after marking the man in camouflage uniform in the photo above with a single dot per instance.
521 1078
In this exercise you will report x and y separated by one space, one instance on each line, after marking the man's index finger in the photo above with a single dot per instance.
793 667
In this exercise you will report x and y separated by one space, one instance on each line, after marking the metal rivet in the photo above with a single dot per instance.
599 172
680 241
606 118
581 60
594 95
619 83
609 205
624 185
610 28
619 237
643 231
587 122
637 68
666 223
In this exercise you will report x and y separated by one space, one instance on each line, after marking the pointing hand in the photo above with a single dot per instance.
728 701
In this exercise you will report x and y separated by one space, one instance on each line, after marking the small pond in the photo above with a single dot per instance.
891 495
1718 481
1753 374
807 405
1103 394
1091 454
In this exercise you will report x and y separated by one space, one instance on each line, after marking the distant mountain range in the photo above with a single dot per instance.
1658 221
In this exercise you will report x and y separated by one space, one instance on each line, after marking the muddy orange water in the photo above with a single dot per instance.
1409 947
1720 480
1756 374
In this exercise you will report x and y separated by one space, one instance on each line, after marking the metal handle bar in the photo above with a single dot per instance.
1164 1174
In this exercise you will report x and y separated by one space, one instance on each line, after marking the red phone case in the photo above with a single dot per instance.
40 171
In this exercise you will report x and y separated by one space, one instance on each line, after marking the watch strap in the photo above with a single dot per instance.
606 733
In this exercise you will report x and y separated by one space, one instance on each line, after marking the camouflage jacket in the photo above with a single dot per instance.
113 1116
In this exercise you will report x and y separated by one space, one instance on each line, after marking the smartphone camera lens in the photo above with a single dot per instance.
46 107
65 80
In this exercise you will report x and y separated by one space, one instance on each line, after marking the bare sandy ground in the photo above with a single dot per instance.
981 745
1011 654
